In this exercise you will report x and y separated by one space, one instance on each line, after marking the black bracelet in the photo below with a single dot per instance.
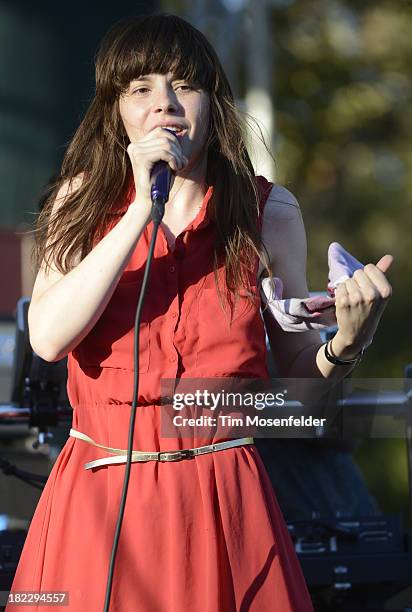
337 361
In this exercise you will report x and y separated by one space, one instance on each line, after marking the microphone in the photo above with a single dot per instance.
162 176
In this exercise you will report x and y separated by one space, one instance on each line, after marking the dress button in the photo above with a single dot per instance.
172 269
174 315
173 359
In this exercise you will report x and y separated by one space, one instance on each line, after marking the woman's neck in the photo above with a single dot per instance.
189 188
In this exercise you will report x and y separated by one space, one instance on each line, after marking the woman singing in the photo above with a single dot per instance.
203 533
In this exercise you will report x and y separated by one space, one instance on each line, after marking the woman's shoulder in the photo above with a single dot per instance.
281 195
283 230
275 193
278 205
67 187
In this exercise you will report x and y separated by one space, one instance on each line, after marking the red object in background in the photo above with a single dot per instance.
10 271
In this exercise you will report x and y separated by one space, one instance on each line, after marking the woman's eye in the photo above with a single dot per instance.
143 90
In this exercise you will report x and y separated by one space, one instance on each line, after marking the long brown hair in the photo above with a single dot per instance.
143 45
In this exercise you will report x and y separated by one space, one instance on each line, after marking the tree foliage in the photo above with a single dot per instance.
344 120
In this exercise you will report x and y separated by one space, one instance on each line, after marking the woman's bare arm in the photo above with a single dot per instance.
64 308
297 355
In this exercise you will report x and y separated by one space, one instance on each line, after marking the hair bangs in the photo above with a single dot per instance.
155 45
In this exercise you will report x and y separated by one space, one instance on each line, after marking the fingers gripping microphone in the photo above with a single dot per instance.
162 175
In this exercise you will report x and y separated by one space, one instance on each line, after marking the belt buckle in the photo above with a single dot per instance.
174 455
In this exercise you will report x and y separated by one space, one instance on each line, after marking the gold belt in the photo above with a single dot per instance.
120 455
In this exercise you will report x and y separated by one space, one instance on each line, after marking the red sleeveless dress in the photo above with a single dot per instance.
199 535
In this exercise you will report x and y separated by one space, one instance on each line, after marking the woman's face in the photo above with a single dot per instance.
161 100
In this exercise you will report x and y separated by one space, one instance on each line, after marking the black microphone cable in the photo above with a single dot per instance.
160 193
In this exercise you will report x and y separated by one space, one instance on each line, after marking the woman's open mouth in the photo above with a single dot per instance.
177 131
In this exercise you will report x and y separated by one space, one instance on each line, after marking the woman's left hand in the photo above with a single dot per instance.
360 302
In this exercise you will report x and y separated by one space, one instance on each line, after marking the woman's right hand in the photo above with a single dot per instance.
159 144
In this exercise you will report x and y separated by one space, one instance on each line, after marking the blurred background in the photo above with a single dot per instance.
329 84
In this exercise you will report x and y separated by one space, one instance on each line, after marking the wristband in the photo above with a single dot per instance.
337 361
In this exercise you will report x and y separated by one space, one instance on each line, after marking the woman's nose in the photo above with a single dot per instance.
166 107
166 101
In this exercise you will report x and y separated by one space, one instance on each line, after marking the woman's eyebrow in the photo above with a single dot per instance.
142 77
149 77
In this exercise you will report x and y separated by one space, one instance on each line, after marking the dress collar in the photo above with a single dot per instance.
202 218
